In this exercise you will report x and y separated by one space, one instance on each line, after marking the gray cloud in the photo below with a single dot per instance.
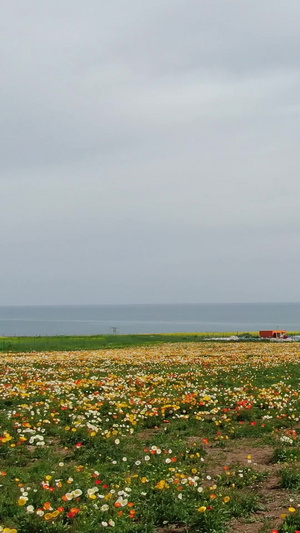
149 151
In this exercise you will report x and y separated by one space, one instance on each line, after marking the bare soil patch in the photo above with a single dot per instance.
274 500
147 434
172 528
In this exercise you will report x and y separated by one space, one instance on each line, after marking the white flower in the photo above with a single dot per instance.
111 523
104 507
117 441
147 458
92 491
30 509
104 524
122 501
180 496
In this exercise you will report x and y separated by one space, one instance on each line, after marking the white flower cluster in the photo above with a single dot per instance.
286 440
37 440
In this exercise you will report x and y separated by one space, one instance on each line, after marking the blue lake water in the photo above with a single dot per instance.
100 319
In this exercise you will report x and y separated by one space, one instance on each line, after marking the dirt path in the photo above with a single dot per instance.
274 500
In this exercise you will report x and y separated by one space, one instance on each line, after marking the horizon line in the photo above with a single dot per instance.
150 304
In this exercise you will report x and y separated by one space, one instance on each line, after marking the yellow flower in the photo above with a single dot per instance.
22 500
227 499
161 485
292 509
202 509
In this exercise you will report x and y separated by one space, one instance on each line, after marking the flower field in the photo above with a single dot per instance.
172 438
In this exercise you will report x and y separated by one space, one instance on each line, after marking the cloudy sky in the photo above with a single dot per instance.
149 151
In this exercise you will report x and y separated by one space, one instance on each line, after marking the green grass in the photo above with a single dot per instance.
94 342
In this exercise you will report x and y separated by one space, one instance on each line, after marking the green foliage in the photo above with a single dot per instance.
75 342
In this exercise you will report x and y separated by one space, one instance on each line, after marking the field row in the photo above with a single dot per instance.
176 437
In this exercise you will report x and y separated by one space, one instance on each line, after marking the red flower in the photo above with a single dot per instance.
74 511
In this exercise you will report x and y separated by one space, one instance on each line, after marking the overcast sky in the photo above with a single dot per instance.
149 151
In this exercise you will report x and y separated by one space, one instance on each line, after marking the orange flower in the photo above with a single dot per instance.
74 511
47 506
